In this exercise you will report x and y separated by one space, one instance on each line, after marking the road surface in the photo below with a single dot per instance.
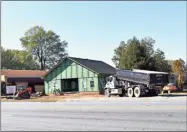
111 114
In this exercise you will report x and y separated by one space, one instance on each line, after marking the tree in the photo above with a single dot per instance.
26 60
140 54
17 59
148 62
131 54
8 59
161 63
45 46
118 53
135 53
178 67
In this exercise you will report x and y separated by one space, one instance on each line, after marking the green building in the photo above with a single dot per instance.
78 75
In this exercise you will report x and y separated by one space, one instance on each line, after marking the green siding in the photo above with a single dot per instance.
46 86
79 68
85 72
74 71
67 70
101 82
58 73
87 87
63 71
91 74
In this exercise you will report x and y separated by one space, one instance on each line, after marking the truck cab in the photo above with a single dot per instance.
110 82
114 86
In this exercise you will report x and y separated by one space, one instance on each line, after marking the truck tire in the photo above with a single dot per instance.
123 93
155 93
152 93
107 93
137 92
130 92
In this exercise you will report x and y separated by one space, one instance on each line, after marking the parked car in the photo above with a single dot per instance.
170 87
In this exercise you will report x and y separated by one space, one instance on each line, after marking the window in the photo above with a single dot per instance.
91 84
111 79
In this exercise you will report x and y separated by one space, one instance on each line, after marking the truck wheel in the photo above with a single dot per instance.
107 93
123 93
155 93
130 92
137 92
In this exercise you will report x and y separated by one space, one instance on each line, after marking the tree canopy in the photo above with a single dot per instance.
179 68
140 54
17 59
45 46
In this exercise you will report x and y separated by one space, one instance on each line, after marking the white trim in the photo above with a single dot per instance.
148 72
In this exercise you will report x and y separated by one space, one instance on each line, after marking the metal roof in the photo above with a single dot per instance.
96 65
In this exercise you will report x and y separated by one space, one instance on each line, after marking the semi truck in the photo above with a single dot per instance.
135 83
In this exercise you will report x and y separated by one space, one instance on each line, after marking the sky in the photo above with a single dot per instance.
94 29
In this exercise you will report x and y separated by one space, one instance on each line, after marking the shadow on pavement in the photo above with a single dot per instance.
173 95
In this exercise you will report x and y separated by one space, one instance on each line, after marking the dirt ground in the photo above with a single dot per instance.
51 98
73 96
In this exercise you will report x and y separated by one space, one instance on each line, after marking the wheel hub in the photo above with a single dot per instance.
136 91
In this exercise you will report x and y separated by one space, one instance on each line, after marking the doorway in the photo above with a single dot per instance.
70 85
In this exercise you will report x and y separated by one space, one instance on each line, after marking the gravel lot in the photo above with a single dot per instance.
97 114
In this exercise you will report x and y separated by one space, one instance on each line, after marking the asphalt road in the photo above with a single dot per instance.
111 114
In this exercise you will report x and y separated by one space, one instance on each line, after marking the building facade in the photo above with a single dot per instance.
78 75
25 78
